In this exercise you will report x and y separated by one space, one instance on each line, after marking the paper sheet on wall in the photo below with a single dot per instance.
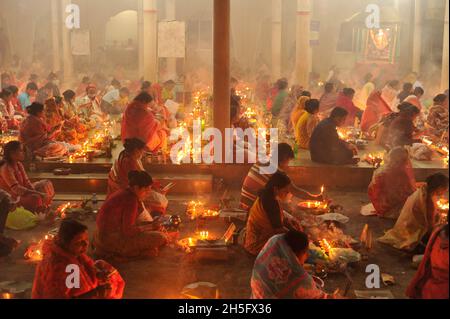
81 42
171 39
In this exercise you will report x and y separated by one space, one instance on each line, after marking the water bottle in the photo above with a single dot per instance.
94 201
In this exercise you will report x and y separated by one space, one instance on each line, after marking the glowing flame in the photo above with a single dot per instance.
442 204
62 209
326 246
34 251
204 235
313 204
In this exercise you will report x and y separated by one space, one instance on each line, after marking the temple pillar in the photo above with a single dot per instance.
171 62
66 44
147 34
221 65
445 57
276 38
54 9
303 47
417 36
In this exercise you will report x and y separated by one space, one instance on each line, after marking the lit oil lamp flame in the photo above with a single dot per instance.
442 204
6 295
326 247
204 235
62 209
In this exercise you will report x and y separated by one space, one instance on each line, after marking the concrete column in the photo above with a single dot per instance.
276 38
417 36
221 63
303 48
55 35
66 44
171 16
140 17
148 30
445 57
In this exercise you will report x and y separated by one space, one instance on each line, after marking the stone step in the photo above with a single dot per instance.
74 197
192 184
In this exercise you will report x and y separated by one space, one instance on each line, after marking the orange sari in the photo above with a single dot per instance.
259 228
139 122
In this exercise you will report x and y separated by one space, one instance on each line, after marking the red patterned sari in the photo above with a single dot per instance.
50 277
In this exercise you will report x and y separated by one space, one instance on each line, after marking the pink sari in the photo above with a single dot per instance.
376 109
390 188
139 122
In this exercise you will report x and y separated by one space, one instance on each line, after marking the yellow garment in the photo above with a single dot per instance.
21 219
413 223
298 110
363 96
304 128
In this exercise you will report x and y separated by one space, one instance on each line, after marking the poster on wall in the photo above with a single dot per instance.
81 42
381 44
171 39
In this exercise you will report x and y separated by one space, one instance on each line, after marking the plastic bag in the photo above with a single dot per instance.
21 219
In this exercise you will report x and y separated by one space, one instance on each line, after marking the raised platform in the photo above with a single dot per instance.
195 179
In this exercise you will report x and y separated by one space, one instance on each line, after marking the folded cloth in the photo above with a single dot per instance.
368 210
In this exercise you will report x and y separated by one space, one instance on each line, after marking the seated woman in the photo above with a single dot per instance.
307 123
139 122
345 100
53 114
278 272
37 137
431 279
257 179
375 110
402 130
392 184
72 131
97 280
35 197
298 110
69 108
437 120
418 216
266 217
120 232
130 160
7 110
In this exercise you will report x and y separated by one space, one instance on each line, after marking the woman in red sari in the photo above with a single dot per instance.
35 197
375 110
392 184
124 228
130 159
36 135
431 280
139 122
345 100
97 280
